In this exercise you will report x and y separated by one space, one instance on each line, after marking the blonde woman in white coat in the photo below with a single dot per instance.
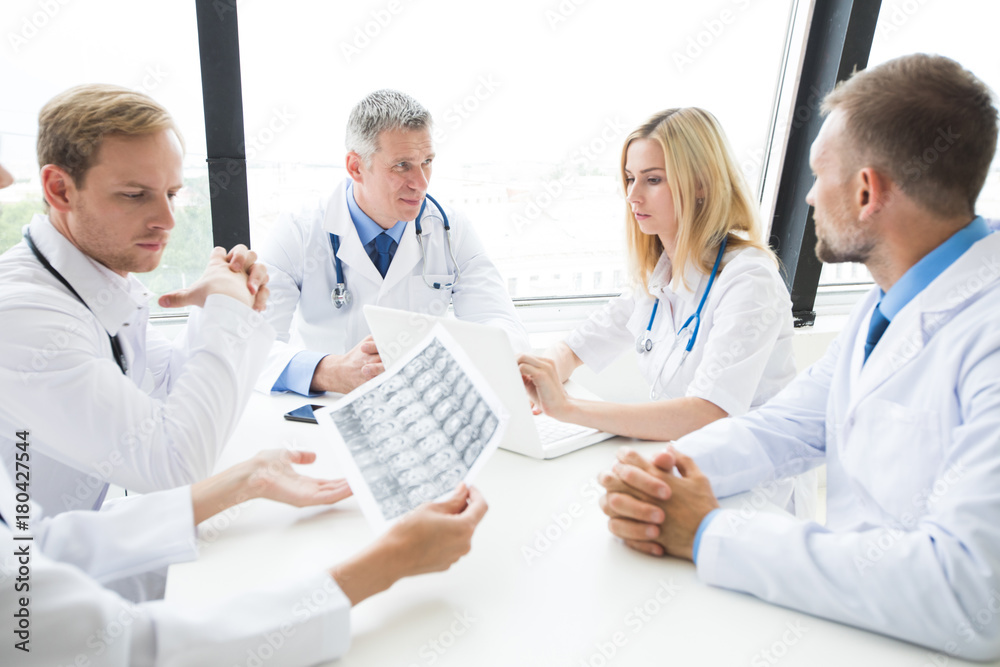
709 317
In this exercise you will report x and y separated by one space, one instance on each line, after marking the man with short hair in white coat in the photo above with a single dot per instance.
107 397
58 572
904 408
361 247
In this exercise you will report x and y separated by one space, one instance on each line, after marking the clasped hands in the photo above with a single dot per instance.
656 505
236 274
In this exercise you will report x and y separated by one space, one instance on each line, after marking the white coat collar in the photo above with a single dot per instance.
663 278
958 286
407 256
111 298
337 220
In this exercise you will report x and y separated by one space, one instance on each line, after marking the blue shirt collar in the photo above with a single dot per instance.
367 228
923 273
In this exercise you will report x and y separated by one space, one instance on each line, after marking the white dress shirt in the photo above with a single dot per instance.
75 621
911 439
162 426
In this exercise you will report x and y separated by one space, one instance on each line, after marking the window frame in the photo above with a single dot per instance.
839 40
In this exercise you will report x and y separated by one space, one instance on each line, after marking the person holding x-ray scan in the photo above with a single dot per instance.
379 239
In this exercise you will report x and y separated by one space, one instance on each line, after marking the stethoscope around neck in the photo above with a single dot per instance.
341 296
116 345
644 343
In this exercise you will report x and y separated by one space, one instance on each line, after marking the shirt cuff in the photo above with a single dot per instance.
298 374
701 529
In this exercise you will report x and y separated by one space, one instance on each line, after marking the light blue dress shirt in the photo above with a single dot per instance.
298 374
367 228
912 283
930 267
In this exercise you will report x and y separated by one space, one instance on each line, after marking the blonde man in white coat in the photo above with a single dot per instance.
318 291
904 408
58 574
109 398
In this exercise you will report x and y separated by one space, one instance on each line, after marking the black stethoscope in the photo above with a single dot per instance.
116 346
645 343
341 296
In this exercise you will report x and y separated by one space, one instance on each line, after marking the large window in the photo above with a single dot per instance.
532 101
959 29
153 47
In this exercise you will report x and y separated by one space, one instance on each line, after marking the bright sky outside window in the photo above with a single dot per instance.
532 101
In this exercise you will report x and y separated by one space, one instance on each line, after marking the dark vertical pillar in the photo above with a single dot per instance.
222 92
840 39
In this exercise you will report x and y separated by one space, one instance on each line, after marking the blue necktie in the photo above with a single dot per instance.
876 328
382 253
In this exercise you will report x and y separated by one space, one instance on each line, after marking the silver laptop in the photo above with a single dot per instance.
538 436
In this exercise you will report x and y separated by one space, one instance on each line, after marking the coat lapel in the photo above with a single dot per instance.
955 289
407 256
902 341
337 220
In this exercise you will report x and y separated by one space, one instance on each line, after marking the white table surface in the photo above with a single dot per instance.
581 592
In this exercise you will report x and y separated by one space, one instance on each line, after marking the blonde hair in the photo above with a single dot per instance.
72 124
697 157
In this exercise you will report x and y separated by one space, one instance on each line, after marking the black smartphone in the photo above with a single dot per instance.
303 414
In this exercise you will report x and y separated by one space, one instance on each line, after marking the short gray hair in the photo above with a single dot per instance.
380 111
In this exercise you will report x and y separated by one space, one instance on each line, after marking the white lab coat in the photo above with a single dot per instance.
742 355
911 440
162 426
299 258
304 621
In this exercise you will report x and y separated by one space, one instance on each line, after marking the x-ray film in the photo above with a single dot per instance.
410 435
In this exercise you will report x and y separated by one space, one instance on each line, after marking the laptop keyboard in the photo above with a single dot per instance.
552 430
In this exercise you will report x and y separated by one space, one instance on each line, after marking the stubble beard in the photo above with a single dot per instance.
851 242
100 249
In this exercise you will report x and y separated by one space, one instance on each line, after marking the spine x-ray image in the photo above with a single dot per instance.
415 435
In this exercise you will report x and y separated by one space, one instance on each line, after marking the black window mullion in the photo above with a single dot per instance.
839 42
222 94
